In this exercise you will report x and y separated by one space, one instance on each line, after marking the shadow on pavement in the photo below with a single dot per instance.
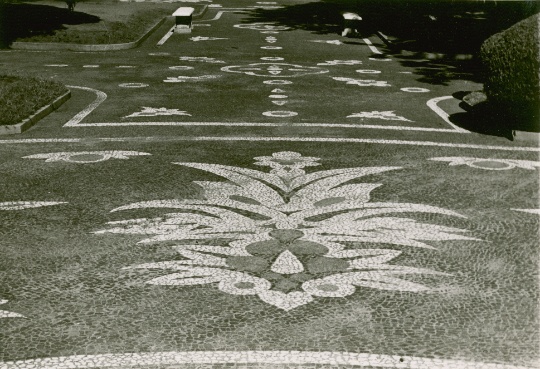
26 20
450 31
481 118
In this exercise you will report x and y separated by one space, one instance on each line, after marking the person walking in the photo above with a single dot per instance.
351 24
71 4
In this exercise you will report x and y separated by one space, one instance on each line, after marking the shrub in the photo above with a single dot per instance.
512 72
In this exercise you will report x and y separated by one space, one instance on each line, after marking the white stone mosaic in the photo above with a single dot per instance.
341 62
20 205
153 112
280 113
362 82
278 82
262 26
530 211
133 85
385 115
368 71
202 59
372 47
288 200
204 38
489 163
334 358
181 67
30 141
85 157
274 69
8 314
181 79
330 42
272 58
414 89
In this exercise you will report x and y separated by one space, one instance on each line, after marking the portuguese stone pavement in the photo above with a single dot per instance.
256 195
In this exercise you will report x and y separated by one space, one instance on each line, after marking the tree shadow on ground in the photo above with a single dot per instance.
450 32
26 20
490 119
441 70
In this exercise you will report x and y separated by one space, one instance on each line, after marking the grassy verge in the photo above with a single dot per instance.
21 96
106 31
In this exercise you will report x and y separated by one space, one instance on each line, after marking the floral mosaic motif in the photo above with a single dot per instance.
203 38
9 314
20 205
274 69
489 164
289 236
181 79
85 157
341 62
153 112
202 59
362 82
262 26
385 115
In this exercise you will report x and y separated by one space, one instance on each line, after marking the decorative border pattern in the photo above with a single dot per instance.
248 357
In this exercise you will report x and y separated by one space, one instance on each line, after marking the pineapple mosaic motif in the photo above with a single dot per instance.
290 236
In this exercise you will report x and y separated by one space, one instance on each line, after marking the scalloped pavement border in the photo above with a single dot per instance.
34 118
58 46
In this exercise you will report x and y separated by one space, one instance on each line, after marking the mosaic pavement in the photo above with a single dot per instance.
262 238
278 253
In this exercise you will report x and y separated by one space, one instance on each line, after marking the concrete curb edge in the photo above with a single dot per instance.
523 136
36 117
58 46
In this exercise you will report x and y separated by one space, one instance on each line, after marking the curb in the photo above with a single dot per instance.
523 136
36 117
58 46
202 12
423 54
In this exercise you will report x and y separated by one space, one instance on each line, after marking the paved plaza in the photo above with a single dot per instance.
255 195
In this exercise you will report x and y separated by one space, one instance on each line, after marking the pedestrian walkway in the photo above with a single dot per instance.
252 195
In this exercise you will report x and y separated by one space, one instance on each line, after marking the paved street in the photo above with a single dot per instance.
252 195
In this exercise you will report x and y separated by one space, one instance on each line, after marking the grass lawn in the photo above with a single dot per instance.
20 97
118 22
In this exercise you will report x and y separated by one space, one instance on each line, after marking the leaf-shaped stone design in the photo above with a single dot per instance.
287 263
288 235
20 205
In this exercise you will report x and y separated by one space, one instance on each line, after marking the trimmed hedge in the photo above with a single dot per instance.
512 65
